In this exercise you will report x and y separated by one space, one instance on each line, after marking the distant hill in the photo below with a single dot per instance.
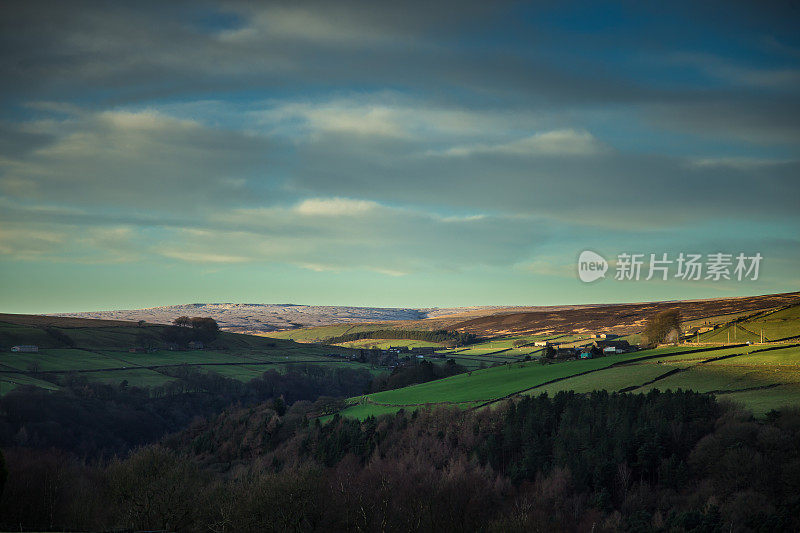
621 319
488 320
259 318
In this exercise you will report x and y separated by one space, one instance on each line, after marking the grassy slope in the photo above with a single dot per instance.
775 325
779 370
384 344
320 333
101 353
493 383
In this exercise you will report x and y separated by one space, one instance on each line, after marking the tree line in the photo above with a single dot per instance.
421 372
186 329
94 419
661 462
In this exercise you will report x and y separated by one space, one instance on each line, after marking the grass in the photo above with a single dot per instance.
384 344
60 360
762 401
761 381
9 382
493 383
102 353
779 368
776 325
321 333
611 379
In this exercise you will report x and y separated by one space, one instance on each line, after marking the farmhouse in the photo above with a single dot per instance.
564 353
609 347
541 343
25 348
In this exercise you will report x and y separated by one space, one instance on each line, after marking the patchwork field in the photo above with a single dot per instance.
783 324
322 333
762 380
102 353
384 344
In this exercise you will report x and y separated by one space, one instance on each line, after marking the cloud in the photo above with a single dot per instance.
139 159
732 72
43 241
738 163
202 257
324 236
394 138
312 24
562 142
574 179
21 242
389 115
334 207
759 121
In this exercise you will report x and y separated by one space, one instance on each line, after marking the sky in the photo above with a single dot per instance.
400 154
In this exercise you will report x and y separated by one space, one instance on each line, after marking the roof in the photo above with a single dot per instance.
612 344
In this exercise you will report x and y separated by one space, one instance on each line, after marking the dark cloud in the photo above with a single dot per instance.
213 122
607 188
140 160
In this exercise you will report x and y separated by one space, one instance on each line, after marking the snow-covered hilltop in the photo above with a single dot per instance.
263 317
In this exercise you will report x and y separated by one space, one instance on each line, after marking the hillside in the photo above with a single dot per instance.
761 377
260 318
722 361
486 321
119 351
621 319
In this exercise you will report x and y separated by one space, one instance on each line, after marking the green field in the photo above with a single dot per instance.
103 354
321 333
493 383
735 377
384 344
777 325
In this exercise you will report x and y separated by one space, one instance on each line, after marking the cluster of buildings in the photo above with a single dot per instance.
393 356
604 345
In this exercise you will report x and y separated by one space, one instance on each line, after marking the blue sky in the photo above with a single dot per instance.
372 153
